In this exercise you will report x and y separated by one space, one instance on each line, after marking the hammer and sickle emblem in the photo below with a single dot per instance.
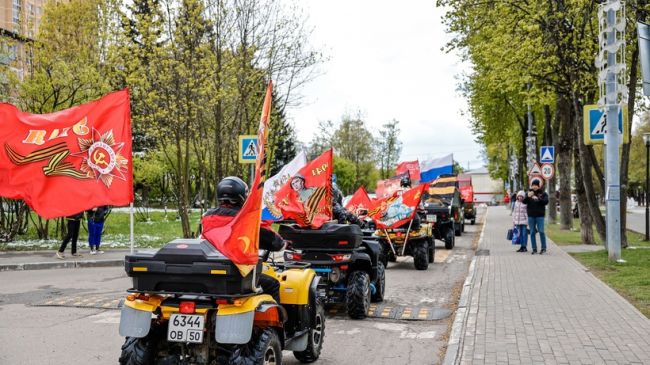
98 158
247 242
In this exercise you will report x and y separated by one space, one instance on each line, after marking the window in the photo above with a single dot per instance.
17 7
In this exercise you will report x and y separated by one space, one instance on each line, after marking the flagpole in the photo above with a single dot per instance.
407 236
131 222
390 243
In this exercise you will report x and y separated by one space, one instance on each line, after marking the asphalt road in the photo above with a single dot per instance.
32 331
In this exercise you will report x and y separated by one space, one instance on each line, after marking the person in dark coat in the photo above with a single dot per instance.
231 194
96 218
73 224
536 202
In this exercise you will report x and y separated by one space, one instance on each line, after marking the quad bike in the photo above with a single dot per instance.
408 242
190 305
350 266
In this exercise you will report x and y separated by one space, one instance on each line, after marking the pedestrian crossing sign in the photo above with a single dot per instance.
247 148
595 124
547 154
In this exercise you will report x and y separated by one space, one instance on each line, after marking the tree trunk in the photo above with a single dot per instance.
587 177
548 141
586 223
564 149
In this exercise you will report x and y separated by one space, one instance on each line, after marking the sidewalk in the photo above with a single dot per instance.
530 309
40 260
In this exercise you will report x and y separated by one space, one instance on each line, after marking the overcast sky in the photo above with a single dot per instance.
385 60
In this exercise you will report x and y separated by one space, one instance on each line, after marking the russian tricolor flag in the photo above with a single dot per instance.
431 169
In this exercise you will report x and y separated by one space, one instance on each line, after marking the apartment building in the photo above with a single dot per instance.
19 22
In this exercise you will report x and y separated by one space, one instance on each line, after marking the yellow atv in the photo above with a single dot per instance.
408 242
190 305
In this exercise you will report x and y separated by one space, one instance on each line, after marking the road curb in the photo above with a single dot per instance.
460 321
61 265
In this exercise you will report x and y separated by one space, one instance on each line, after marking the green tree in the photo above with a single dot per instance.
388 148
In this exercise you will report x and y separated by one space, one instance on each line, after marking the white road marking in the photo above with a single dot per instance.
353 331
418 336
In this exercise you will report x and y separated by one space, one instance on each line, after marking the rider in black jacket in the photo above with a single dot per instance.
231 193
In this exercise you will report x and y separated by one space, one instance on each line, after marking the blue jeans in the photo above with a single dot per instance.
523 235
95 233
536 224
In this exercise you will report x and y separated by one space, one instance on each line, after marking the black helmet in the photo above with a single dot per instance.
232 190
405 181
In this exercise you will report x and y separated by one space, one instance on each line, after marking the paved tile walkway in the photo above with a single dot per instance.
532 309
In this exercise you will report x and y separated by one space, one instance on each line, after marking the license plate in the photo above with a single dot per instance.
431 217
186 328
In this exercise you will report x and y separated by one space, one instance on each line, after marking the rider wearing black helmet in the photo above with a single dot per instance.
405 181
231 194
405 184
339 212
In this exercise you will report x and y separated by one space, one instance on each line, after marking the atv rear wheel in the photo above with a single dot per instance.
432 251
357 297
457 229
138 351
316 336
421 256
380 283
473 221
450 239
262 349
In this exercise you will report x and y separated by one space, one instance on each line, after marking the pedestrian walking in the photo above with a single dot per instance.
96 218
520 220
536 202
74 222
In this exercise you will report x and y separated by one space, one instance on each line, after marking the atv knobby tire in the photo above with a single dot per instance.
380 283
473 221
357 297
138 351
458 229
431 251
450 239
316 337
264 348
421 256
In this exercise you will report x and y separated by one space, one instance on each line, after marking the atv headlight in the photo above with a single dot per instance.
335 275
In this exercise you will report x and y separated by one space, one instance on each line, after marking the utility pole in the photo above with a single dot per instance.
531 144
611 18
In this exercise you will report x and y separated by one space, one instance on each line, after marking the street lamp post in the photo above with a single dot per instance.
646 139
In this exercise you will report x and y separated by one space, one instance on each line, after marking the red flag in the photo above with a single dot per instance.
359 202
386 188
467 193
239 238
66 162
412 167
397 209
307 196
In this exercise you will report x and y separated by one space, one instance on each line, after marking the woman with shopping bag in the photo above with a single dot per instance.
520 220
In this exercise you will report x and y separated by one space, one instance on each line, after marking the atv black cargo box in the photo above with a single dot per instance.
187 266
330 236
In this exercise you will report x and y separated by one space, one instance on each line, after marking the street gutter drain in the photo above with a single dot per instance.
483 253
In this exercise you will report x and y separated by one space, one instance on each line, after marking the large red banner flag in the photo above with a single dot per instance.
69 161
395 210
412 167
239 239
359 202
307 196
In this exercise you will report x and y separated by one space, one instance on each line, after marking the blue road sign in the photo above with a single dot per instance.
595 124
547 154
247 149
